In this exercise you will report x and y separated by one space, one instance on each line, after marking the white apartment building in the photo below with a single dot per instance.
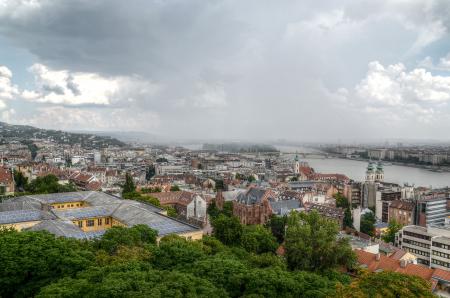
431 245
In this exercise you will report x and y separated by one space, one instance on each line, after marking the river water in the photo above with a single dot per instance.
356 170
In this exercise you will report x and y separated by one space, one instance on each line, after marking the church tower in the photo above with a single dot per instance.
370 173
379 173
296 165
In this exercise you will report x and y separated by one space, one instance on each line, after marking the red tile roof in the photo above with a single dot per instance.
5 175
389 264
173 197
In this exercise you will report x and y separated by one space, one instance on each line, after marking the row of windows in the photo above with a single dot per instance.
420 244
418 252
91 222
441 245
68 205
424 262
440 263
441 254
416 235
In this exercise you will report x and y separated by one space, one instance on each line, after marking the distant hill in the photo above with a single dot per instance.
240 147
24 133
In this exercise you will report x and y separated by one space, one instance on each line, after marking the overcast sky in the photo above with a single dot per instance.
299 70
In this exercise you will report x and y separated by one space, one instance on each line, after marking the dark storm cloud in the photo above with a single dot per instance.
260 69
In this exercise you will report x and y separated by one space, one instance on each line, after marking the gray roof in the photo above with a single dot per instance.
252 196
285 206
58 227
60 197
134 214
231 195
59 222
19 205
17 216
86 212
301 184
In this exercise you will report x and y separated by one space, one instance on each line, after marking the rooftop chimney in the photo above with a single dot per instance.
377 256
403 263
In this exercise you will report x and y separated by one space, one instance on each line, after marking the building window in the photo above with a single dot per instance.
99 222
80 223
90 223
107 221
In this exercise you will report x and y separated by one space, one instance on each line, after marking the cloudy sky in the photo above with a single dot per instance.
299 70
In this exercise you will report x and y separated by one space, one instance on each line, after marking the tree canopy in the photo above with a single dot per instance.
367 225
48 184
312 244
128 262
129 186
392 229
386 284
174 188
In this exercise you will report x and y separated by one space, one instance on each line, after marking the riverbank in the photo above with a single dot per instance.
356 170
431 168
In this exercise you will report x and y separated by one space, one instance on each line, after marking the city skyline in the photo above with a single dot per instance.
228 69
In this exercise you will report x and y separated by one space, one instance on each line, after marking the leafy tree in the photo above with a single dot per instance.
266 260
367 225
150 189
175 188
150 172
258 239
30 260
20 180
341 201
277 225
171 211
151 200
393 228
348 219
129 186
161 160
295 178
386 284
212 210
117 236
311 243
132 281
251 178
48 184
134 195
175 252
219 184
227 208
227 229
223 271
275 282
239 176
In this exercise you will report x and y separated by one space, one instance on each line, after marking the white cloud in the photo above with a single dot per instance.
393 90
443 64
210 96
394 85
67 88
7 89
100 119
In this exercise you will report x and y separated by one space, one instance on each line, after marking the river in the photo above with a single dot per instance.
356 170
